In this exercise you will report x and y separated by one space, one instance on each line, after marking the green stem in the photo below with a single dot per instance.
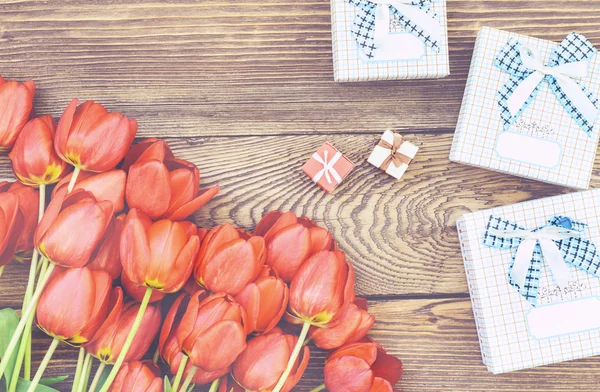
42 368
78 369
73 179
188 381
86 369
179 374
156 355
293 357
128 341
20 356
96 379
25 317
319 388
1 270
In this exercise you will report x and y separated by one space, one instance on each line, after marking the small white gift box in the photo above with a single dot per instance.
530 108
393 154
389 39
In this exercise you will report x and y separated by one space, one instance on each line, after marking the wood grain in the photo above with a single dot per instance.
400 235
198 68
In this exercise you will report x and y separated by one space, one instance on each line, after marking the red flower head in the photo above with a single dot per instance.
228 260
291 241
74 304
28 204
262 363
108 257
33 158
138 376
352 325
92 139
108 185
108 342
212 333
12 223
16 103
322 289
265 301
174 190
72 228
159 255
362 367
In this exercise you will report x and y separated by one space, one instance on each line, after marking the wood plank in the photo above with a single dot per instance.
400 235
188 68
437 341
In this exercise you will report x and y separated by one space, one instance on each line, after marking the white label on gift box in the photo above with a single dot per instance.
397 46
528 149
564 318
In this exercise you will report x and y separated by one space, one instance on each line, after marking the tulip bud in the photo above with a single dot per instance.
29 206
74 304
13 222
108 257
158 255
212 333
353 324
290 241
33 158
16 103
72 228
174 190
92 139
108 185
361 367
261 364
108 342
138 376
321 289
228 260
265 302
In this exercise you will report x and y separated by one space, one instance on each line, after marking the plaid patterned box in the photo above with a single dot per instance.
541 322
410 52
548 139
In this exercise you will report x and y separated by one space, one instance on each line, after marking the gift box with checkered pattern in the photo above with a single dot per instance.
389 39
531 107
533 273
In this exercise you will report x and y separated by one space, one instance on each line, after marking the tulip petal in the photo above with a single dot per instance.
115 308
285 220
250 300
288 250
381 385
298 370
148 188
64 126
138 292
148 149
267 221
189 208
348 374
188 320
320 239
365 351
387 367
169 321
219 346
101 299
14 222
134 248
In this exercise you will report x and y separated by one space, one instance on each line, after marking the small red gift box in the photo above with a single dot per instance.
327 167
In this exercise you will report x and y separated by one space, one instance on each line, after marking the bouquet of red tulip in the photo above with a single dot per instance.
113 247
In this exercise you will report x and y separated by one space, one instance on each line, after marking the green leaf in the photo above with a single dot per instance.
49 381
103 377
23 386
8 324
168 387
191 388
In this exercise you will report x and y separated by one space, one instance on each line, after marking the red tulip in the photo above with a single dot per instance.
138 376
291 241
72 228
110 338
362 367
12 223
173 193
212 333
158 255
352 325
228 384
29 200
16 103
108 257
265 302
92 139
108 185
261 364
74 304
228 260
322 289
33 158
137 292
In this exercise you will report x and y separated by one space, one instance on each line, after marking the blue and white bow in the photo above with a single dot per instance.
372 23
559 244
568 62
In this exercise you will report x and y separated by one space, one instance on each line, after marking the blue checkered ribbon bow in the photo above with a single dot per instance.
568 62
373 20
559 244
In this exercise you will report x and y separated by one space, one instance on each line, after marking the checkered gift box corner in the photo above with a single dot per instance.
502 309
547 139
356 57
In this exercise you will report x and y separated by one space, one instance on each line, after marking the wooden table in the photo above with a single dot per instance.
245 90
